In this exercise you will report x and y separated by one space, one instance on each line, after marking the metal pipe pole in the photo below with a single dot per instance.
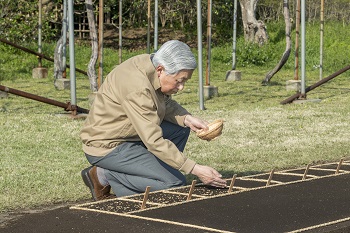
64 41
71 53
303 41
36 53
39 33
120 29
319 83
321 39
234 42
200 59
155 25
207 80
66 106
148 26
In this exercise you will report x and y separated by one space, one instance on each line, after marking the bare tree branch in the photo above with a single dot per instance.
286 53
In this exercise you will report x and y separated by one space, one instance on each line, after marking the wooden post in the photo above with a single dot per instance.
120 30
270 177
145 197
191 190
306 171
297 32
321 38
100 44
39 32
339 165
232 183
207 77
148 26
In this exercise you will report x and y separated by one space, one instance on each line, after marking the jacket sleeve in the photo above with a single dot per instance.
175 113
141 110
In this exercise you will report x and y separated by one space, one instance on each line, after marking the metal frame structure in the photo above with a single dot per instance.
304 89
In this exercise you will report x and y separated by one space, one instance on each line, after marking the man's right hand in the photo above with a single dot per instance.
209 176
195 123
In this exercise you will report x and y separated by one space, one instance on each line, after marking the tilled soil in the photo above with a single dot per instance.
320 203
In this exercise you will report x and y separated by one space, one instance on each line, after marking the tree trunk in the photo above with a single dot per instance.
286 53
58 57
94 46
163 17
254 30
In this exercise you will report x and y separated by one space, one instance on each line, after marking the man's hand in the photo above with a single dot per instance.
195 123
208 176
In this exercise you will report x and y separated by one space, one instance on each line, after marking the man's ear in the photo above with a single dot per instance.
159 70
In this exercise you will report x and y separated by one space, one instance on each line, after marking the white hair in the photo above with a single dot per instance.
174 56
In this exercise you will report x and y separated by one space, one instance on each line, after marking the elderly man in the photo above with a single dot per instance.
135 134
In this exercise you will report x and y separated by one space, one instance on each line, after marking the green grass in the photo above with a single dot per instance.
41 155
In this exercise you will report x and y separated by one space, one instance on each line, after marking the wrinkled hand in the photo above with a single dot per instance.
195 123
209 176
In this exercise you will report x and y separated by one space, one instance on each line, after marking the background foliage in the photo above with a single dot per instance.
16 64
18 23
18 19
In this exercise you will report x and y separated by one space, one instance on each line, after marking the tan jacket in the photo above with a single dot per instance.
129 106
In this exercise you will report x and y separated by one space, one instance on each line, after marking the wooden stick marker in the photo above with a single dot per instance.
191 190
145 197
232 183
270 177
339 165
306 171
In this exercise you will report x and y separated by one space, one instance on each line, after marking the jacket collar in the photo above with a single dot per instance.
146 66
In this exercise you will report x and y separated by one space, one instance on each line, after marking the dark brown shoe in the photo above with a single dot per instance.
98 191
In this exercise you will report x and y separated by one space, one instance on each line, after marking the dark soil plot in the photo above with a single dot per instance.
312 172
280 208
320 172
280 177
300 171
117 206
344 167
163 198
313 206
65 220
249 183
203 190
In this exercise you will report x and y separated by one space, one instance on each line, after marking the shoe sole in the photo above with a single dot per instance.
88 182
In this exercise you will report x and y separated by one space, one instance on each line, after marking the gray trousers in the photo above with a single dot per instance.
130 167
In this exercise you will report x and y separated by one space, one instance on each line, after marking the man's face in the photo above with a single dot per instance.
172 83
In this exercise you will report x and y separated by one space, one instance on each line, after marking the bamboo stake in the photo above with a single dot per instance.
270 177
306 171
145 197
232 183
339 165
191 190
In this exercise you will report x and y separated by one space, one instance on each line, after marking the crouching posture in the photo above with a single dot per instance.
135 133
